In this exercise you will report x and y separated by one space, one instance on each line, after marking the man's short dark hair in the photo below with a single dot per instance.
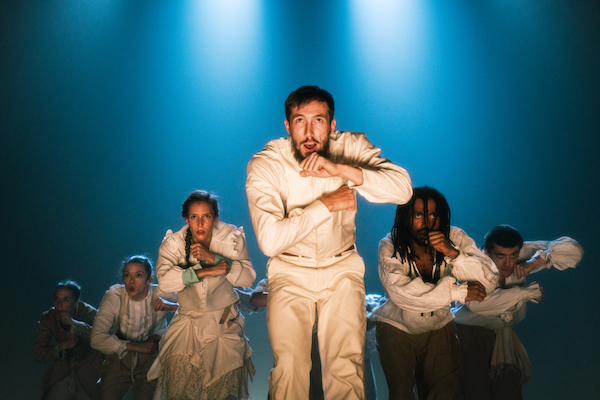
401 231
304 95
504 236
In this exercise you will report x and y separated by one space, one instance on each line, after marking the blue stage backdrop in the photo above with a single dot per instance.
112 111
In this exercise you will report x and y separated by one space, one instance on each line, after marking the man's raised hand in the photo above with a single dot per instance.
318 166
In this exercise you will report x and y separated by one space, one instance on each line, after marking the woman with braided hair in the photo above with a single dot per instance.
204 354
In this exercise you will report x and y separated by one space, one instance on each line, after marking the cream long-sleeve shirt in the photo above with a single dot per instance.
136 320
416 306
214 292
506 306
286 212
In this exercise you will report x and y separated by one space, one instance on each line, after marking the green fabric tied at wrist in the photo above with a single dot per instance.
189 275
219 258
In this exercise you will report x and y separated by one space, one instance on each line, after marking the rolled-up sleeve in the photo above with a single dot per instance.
242 272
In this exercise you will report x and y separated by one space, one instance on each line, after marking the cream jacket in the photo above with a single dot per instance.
286 212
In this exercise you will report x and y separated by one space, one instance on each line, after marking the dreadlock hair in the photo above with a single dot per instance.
504 236
197 196
401 231
304 95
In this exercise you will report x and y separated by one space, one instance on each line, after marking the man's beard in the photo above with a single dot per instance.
324 152
419 238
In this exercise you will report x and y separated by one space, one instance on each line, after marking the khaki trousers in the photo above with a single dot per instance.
428 360
117 377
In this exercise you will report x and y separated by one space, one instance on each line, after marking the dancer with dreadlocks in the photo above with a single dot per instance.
420 263
204 354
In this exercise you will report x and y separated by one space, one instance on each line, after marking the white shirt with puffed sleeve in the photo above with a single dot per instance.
416 306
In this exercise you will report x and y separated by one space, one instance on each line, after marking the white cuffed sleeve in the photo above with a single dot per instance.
506 302
242 272
562 253
471 264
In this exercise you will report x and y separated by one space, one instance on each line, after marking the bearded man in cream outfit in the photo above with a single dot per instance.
301 194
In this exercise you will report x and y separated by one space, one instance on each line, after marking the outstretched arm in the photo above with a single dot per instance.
504 301
562 253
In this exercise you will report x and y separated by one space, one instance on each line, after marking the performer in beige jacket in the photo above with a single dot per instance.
301 194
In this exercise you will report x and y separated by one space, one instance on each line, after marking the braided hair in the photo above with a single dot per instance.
403 224
188 243
197 196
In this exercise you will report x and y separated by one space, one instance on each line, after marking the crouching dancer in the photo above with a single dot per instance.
495 364
131 320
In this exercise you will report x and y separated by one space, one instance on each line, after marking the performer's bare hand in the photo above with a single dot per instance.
147 347
524 268
318 166
439 242
160 305
201 253
541 295
342 199
475 292
65 318
221 269
321 167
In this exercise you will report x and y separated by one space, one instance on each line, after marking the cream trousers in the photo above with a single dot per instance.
301 292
